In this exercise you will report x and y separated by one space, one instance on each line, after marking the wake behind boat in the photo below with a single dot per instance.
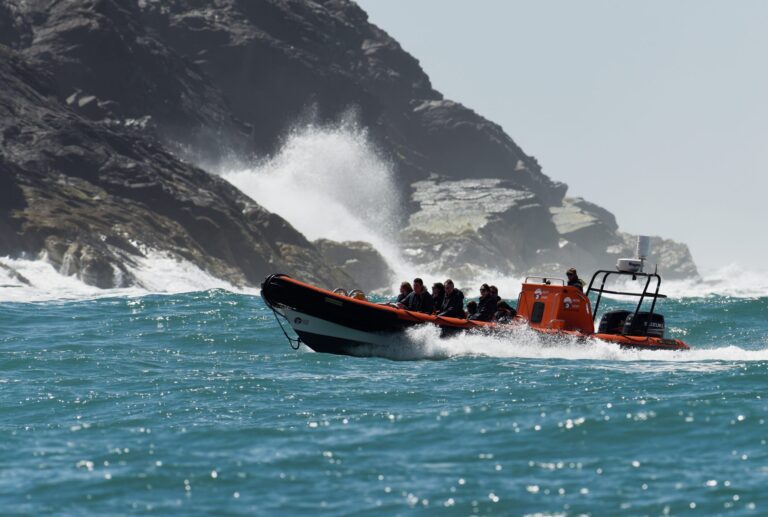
336 323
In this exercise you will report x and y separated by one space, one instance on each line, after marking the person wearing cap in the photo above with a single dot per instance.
574 280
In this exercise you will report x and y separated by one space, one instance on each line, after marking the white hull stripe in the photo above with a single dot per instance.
303 323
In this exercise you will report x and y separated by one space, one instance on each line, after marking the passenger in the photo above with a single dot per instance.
486 306
504 312
574 280
453 304
419 300
405 290
471 307
495 293
438 295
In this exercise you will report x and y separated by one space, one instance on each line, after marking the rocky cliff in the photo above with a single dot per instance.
105 104
92 197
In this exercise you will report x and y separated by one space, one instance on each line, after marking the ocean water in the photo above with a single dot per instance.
192 403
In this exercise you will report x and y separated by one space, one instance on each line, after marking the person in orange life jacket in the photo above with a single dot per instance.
420 300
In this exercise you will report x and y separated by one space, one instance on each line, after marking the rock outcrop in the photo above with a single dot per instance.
14 275
105 104
476 227
464 227
364 265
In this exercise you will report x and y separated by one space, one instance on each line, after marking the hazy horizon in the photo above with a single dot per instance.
653 111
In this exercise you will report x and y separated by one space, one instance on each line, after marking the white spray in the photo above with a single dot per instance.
424 342
329 182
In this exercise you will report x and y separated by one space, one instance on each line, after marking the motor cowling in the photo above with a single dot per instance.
644 324
612 322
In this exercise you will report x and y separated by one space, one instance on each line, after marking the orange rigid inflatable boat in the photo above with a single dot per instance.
335 323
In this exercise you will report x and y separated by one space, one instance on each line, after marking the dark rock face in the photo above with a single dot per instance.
460 144
99 93
364 265
581 221
238 74
14 275
14 28
107 65
91 196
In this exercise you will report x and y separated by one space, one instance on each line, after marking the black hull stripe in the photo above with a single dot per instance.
339 346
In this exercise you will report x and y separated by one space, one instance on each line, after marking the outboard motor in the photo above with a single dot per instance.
644 324
612 322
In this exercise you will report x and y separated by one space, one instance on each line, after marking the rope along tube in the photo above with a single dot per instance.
291 340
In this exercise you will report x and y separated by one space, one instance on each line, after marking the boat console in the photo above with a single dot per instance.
547 303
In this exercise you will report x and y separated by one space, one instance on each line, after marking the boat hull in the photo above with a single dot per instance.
331 338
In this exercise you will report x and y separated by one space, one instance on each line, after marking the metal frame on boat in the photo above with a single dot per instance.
645 294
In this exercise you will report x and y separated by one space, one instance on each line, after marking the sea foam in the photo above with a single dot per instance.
424 342
156 273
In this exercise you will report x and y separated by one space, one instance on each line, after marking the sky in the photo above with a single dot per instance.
655 110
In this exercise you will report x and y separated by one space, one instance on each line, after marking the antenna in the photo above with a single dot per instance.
643 249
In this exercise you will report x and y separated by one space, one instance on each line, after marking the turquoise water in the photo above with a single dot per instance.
194 403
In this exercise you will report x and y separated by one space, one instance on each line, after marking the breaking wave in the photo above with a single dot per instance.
731 281
329 182
156 273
